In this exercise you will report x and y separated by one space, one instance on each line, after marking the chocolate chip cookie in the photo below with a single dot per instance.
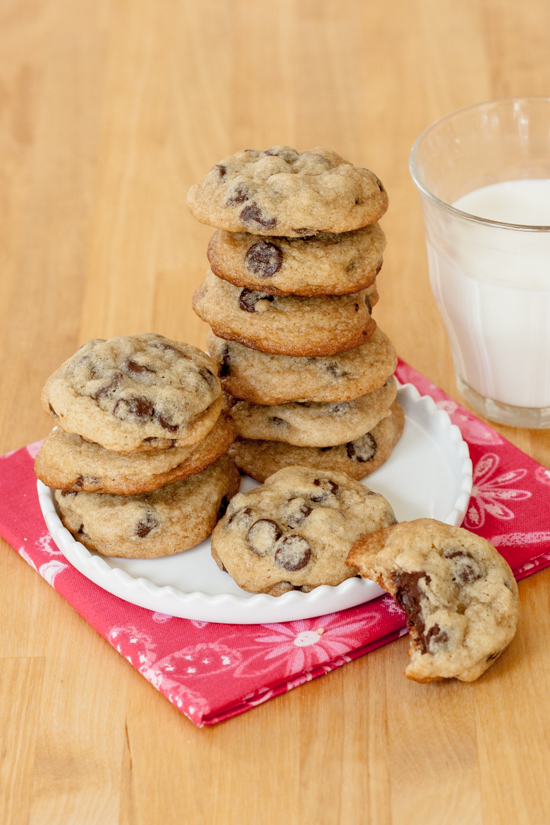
286 192
67 462
167 521
296 530
325 264
313 423
285 324
135 392
263 378
357 458
458 593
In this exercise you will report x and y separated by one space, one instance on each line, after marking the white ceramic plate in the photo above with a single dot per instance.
429 474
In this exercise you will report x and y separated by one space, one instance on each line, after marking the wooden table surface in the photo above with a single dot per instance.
109 111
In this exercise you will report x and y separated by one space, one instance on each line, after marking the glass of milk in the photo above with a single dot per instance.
483 174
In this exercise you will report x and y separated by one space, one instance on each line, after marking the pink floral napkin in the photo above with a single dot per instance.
214 671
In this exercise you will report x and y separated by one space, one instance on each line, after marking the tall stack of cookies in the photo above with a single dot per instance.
289 298
139 457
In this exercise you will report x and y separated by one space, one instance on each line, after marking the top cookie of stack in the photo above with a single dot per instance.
291 312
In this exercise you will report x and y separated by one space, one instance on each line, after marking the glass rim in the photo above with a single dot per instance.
519 227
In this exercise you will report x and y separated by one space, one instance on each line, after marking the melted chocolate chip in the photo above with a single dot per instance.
135 369
409 597
239 195
109 388
305 231
208 376
146 524
467 568
264 259
223 507
137 407
293 552
240 518
89 480
288 154
250 297
166 425
296 511
221 169
362 449
333 369
262 536
326 488
252 212
225 363
436 635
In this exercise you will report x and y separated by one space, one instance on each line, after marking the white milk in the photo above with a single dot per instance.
492 285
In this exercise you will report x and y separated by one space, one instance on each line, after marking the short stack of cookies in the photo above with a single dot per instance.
139 457
288 297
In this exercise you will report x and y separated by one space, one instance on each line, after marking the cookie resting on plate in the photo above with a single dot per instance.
135 392
169 520
295 531
458 593
285 192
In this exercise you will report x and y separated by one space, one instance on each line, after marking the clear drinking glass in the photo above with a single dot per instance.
491 277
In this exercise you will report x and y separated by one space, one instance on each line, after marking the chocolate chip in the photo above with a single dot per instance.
225 363
357 306
436 635
240 518
252 212
223 507
68 493
362 449
146 524
333 369
278 421
467 568
250 297
359 201
293 552
262 536
337 408
409 597
139 407
208 376
88 480
286 153
264 259
221 169
296 511
352 265
166 425
327 488
239 195
304 231
135 369
109 388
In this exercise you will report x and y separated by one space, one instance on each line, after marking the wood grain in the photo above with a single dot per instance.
109 111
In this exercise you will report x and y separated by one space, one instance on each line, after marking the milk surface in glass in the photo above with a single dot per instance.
492 286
